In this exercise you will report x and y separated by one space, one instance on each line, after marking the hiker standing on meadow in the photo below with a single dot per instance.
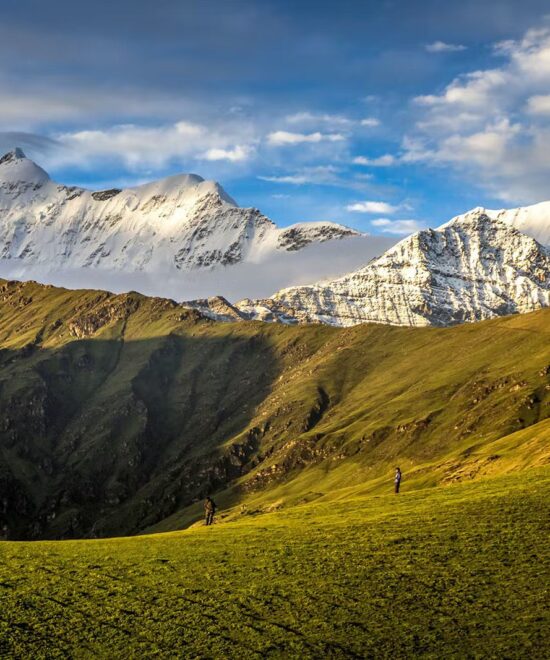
209 510
397 479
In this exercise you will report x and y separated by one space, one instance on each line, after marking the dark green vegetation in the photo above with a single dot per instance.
118 412
450 572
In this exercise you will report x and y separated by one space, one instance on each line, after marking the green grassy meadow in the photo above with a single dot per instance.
455 571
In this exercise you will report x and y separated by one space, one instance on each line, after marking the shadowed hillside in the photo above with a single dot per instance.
117 413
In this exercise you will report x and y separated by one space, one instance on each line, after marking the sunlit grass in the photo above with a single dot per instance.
456 571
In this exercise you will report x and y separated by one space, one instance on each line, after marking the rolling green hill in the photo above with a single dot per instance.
118 413
449 572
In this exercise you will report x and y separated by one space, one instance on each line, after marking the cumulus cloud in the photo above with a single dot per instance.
286 138
240 152
141 147
539 104
442 47
370 122
380 161
493 125
397 227
371 207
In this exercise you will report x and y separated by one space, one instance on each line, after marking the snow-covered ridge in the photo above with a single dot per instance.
182 222
186 238
532 220
472 268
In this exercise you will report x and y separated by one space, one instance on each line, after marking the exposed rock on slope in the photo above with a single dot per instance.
470 269
531 220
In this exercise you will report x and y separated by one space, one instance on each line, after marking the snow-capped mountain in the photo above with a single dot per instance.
162 232
532 220
472 268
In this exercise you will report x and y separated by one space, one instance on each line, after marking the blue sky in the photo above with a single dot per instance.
386 116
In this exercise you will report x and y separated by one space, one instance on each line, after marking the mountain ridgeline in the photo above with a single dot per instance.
119 412
169 237
473 268
184 237
181 222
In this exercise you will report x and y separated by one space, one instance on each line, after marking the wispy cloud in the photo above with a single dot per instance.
325 175
442 47
380 161
141 147
317 118
322 174
370 122
493 125
286 138
237 153
539 105
372 207
35 143
397 227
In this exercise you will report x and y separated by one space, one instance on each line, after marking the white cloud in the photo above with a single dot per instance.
398 227
473 91
240 152
142 147
370 122
322 174
381 161
293 179
315 118
280 138
493 125
539 104
442 47
371 207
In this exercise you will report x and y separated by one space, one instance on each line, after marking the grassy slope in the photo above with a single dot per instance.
457 571
118 411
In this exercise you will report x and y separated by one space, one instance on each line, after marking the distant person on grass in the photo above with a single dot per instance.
397 479
209 510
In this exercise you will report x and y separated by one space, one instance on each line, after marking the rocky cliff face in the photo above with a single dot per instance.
471 269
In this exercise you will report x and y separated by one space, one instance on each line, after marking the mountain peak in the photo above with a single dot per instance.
14 154
532 220
17 168
472 268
